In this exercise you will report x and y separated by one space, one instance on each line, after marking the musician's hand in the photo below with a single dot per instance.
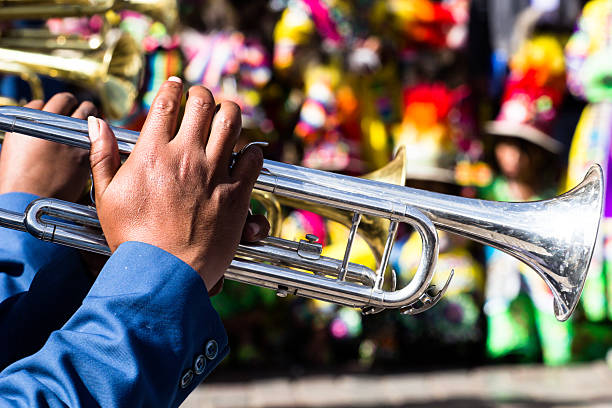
178 192
44 168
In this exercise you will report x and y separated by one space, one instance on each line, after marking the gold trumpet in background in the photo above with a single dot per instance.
44 39
113 71
165 11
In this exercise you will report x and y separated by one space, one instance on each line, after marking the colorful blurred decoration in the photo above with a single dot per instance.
328 110
232 66
439 137
456 320
588 51
438 24
533 93
588 54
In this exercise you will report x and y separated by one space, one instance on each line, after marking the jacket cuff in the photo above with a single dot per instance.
175 290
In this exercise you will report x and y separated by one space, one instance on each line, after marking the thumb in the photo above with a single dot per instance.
103 155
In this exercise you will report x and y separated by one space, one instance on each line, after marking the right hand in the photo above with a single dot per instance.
178 192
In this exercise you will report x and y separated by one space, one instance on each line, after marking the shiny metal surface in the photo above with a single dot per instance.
555 237
113 71
165 11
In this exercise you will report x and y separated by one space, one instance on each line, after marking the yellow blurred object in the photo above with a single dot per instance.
360 252
294 28
468 275
543 56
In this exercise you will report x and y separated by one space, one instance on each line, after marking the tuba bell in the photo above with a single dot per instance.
165 11
114 71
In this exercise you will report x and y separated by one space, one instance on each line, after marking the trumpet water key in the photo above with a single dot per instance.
555 237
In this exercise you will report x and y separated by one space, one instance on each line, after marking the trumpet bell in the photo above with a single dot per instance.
562 258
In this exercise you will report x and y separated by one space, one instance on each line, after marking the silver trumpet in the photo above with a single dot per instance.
555 237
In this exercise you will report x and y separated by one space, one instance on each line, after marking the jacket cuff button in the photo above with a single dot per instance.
199 364
211 350
186 378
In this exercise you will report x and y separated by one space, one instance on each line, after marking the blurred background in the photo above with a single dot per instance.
505 100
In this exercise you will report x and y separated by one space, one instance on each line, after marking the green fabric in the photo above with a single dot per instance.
511 332
555 338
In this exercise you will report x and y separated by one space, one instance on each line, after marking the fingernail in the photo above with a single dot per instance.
254 228
94 128
175 79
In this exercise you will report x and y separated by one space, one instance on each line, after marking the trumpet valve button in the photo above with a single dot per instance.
282 291
309 248
312 238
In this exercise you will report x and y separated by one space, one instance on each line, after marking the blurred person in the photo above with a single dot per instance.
517 301
173 214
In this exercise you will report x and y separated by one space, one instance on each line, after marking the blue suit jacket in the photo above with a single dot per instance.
145 334
41 286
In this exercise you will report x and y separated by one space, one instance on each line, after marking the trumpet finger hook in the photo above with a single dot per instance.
428 299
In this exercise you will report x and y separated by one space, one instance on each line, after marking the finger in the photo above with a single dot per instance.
103 156
255 228
248 165
224 132
199 112
217 288
85 110
35 104
160 124
62 103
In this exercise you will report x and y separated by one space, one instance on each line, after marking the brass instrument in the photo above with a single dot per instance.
555 237
165 11
27 75
44 40
114 71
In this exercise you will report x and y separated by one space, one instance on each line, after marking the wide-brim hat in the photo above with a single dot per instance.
523 131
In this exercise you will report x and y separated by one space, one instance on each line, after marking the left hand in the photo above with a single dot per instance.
40 167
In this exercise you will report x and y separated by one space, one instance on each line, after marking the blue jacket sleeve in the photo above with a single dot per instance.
41 286
145 336
22 255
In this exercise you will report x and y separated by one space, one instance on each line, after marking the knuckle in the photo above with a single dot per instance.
165 106
255 157
184 167
229 117
86 108
97 158
201 103
66 96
